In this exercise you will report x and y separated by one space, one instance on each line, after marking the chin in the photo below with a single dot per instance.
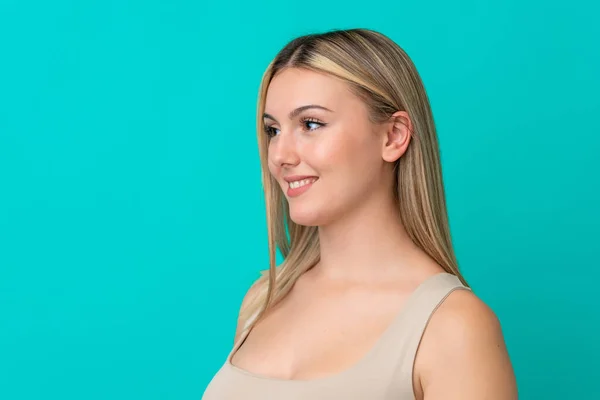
312 216
306 216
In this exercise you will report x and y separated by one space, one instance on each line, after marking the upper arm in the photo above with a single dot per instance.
248 297
463 354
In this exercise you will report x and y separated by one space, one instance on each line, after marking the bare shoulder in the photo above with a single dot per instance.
463 354
250 295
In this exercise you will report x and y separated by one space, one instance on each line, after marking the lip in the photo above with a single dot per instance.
297 177
293 192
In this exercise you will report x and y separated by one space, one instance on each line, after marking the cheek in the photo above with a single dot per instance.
334 150
347 151
273 168
274 171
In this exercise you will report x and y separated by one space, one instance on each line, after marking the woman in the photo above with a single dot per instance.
369 302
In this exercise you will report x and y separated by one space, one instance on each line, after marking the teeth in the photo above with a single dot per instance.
297 184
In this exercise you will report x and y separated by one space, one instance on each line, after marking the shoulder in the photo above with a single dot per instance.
463 316
463 354
251 295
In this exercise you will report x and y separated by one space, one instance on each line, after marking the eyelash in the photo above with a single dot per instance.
304 120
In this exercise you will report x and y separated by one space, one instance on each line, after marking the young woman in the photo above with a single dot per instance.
369 302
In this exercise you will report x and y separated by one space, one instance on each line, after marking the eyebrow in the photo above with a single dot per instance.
298 110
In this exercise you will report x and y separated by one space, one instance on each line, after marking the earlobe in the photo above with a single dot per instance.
397 136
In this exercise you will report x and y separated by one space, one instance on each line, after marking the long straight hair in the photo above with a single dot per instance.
384 77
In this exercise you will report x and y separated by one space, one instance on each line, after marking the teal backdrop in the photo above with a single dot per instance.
131 211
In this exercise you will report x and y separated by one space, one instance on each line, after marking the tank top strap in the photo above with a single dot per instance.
416 315
243 335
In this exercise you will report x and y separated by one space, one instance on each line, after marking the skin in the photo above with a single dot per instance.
369 266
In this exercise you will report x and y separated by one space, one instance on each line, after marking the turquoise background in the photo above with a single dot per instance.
131 212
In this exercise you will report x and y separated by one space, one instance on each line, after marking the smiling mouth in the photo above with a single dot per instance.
299 187
302 182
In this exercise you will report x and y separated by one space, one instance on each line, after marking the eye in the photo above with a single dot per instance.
311 123
270 131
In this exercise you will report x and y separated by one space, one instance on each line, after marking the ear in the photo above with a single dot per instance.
397 135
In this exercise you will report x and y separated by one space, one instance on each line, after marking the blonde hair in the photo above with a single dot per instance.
382 74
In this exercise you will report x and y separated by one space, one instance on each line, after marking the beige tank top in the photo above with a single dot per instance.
384 373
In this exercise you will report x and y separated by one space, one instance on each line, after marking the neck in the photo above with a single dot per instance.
369 244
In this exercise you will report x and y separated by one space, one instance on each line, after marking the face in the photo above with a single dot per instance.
320 130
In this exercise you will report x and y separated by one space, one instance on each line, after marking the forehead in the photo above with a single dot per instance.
295 87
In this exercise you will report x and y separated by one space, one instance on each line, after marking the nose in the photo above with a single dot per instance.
283 150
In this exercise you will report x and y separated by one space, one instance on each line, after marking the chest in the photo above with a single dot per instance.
373 384
313 341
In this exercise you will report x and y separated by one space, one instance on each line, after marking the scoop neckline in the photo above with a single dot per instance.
412 297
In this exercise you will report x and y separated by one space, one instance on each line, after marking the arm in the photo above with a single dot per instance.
463 354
